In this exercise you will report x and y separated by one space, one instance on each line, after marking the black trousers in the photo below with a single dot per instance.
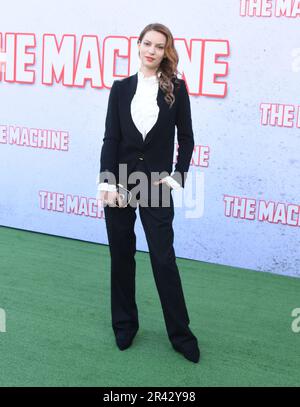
157 225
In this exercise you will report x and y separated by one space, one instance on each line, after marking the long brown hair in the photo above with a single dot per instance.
168 65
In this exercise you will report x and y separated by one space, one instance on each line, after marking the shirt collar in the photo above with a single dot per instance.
148 79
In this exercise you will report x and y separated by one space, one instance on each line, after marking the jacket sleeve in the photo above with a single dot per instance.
185 135
112 136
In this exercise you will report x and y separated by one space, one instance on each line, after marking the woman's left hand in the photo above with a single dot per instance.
162 181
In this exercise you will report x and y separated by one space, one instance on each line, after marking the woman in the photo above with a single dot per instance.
143 110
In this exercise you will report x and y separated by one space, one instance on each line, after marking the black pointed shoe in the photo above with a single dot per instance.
124 340
191 352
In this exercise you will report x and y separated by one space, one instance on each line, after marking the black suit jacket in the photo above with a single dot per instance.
123 142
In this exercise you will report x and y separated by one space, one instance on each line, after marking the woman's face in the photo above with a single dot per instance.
152 46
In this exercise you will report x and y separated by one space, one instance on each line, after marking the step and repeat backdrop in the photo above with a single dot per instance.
241 64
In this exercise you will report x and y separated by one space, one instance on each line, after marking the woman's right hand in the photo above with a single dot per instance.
109 198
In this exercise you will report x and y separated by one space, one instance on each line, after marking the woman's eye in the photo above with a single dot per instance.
147 43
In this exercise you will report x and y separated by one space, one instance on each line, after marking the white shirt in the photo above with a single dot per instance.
144 108
144 112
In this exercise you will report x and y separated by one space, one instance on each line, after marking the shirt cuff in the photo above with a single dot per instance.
172 183
104 186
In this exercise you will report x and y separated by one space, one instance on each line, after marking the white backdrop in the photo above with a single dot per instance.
245 109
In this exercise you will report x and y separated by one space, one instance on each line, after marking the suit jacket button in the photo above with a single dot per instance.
140 158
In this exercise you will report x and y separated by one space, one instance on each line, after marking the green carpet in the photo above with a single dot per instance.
56 295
